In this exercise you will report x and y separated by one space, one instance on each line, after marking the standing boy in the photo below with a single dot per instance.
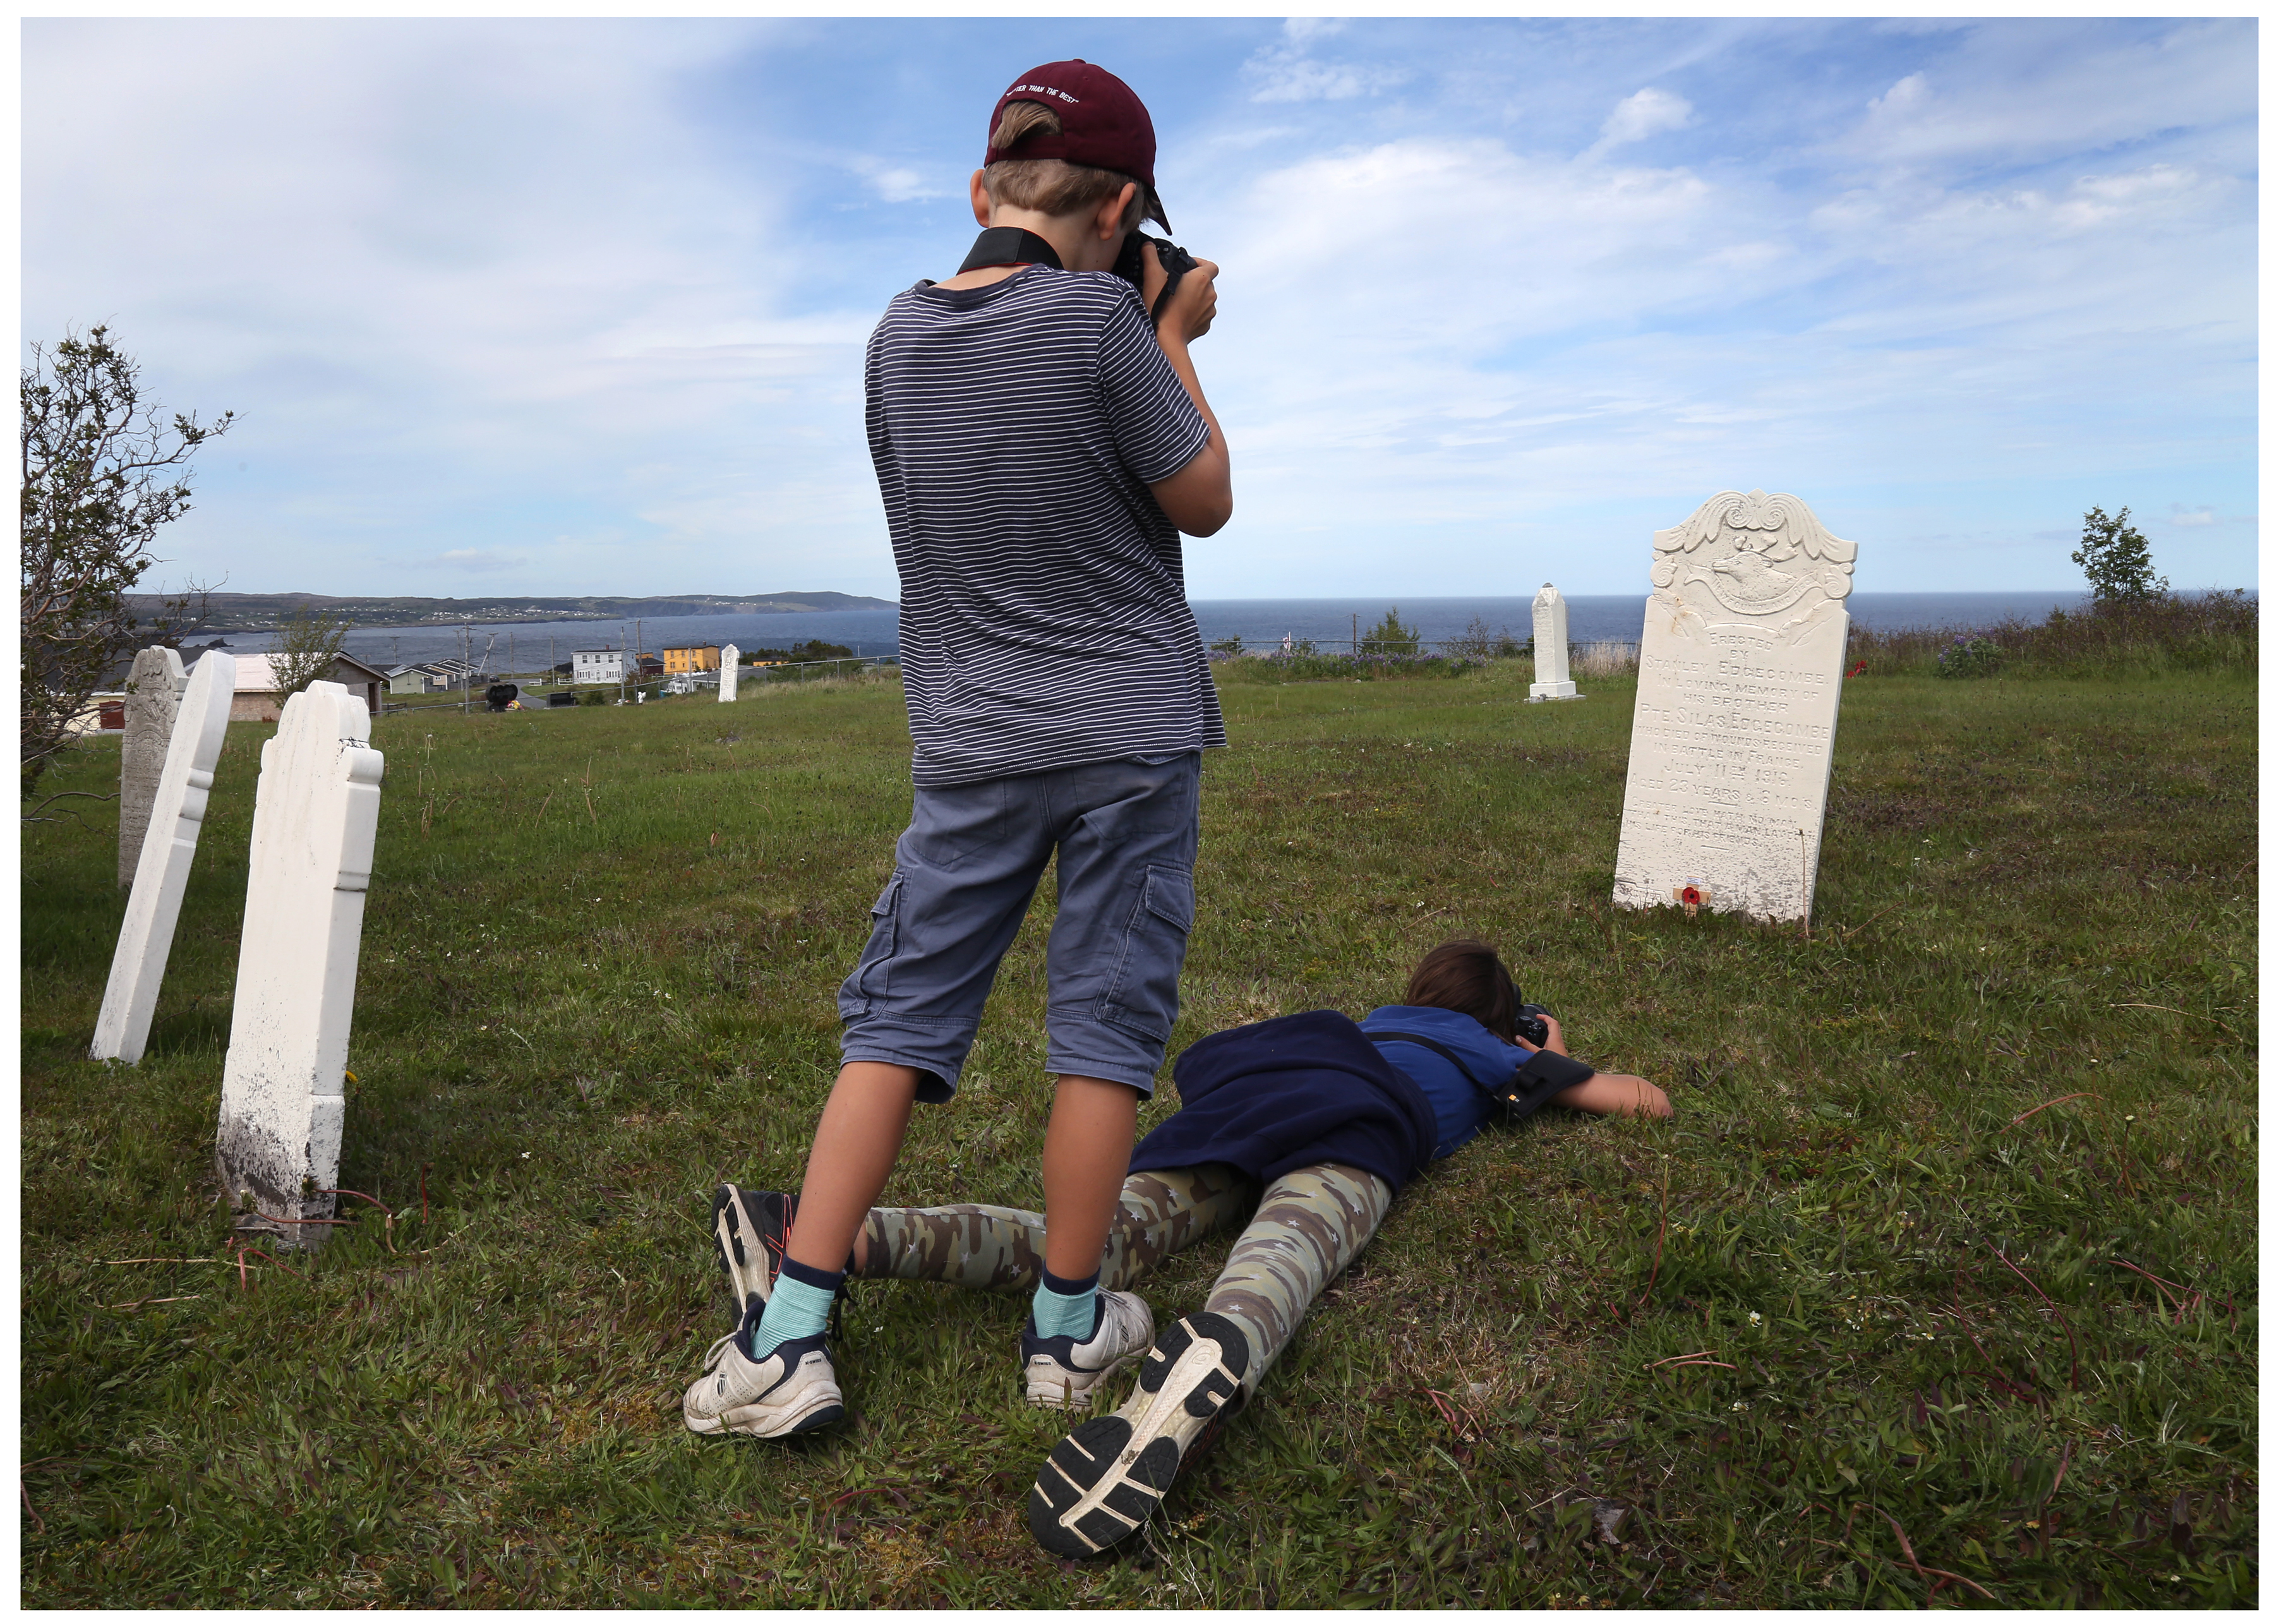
1039 446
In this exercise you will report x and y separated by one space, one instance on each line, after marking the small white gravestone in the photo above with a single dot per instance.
178 810
1551 647
730 671
1741 648
315 823
153 693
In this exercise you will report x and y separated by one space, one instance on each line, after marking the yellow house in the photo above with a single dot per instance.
676 660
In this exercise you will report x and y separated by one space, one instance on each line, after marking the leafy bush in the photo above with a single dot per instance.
1970 657
1392 637
1480 642
2114 558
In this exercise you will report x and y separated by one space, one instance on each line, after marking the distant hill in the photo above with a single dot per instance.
251 611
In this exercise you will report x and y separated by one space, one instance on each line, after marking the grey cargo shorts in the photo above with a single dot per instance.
1125 833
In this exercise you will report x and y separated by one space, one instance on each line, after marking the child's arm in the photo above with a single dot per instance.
1607 1093
1197 497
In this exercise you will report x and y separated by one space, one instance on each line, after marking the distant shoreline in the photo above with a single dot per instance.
265 611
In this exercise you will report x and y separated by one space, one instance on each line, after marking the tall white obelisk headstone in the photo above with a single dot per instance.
153 694
730 671
315 823
169 841
1743 644
1551 647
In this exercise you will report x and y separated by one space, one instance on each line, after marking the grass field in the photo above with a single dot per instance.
1960 1199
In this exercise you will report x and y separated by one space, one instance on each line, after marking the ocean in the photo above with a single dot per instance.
1257 621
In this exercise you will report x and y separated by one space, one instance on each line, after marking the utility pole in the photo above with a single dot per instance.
466 670
1353 636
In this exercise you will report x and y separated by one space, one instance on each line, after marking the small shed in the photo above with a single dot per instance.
257 699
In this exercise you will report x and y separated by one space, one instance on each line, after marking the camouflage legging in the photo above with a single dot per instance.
1307 1229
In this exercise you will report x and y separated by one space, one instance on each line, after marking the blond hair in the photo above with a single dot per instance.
1051 185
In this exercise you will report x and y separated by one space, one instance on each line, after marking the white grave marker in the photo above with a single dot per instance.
730 671
153 693
169 841
1551 647
315 823
1741 648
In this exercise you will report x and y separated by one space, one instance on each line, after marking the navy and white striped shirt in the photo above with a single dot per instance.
1042 617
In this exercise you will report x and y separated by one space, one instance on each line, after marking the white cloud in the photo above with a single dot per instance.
472 273
1287 73
1648 112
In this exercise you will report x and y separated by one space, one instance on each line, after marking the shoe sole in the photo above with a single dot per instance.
1107 1476
741 1253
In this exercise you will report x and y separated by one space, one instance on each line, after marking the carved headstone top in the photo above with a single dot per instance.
1760 562
1735 705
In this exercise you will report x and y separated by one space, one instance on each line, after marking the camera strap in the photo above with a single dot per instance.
1545 1074
1009 245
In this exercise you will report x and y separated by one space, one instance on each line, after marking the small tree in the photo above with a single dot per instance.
92 499
307 642
1392 636
2115 559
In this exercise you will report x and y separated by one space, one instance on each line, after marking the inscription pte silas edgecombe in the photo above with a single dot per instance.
1743 645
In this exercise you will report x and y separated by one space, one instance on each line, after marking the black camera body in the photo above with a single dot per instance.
1131 267
1528 1025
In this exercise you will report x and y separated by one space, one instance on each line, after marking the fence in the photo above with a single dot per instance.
1595 657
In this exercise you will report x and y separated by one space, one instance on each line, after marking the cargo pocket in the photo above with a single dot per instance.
867 979
1143 997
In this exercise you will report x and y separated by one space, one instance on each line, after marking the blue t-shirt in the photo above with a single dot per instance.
1462 1108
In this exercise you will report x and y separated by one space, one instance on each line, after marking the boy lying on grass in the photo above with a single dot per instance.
1325 1118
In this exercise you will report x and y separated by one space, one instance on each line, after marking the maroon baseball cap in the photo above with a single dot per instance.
1106 125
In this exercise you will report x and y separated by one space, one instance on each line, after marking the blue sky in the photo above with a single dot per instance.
578 306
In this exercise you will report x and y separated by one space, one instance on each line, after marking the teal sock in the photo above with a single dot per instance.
1066 1307
798 1307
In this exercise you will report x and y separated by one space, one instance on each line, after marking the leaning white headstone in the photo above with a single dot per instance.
315 823
730 670
1551 647
1743 644
153 693
161 874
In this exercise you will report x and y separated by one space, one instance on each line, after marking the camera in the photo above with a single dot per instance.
1528 1025
1131 267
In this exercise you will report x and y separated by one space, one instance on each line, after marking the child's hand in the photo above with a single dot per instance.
1555 1038
1193 311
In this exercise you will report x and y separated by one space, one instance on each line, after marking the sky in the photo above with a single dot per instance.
555 307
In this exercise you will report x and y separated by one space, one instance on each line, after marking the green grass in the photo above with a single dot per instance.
598 974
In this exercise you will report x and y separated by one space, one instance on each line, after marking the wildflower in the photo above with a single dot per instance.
1755 1317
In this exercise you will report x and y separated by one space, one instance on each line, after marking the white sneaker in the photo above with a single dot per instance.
793 1389
1063 1373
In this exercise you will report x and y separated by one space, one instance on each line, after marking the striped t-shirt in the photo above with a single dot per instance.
1042 617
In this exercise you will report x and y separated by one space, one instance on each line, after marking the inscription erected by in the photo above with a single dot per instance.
1735 709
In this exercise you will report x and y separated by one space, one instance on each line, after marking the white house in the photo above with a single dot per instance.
597 665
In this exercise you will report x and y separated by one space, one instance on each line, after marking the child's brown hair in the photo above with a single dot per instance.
1467 977
1052 185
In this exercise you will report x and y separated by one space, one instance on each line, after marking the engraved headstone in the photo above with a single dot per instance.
315 823
730 670
1734 708
154 692
169 842
1551 647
